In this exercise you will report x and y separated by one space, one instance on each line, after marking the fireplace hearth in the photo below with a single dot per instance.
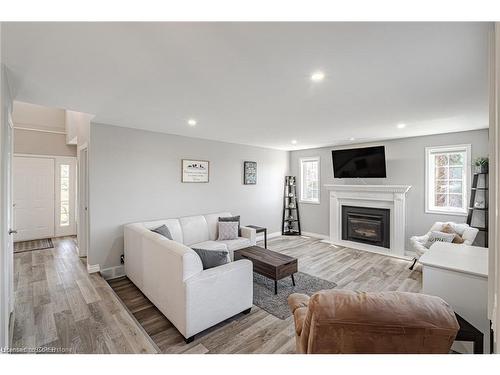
366 225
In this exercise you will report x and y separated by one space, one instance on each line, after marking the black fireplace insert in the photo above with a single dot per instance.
366 225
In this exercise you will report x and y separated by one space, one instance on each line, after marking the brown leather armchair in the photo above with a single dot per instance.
341 321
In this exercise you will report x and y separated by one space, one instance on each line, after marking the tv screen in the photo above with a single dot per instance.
367 162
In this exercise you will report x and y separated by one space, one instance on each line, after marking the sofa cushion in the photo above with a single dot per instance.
210 245
228 230
173 226
212 222
212 258
239 243
194 229
163 230
216 246
232 219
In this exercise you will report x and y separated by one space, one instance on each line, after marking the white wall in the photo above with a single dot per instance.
41 143
40 130
32 116
135 176
405 166
77 127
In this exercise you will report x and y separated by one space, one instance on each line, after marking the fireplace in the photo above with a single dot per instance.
366 225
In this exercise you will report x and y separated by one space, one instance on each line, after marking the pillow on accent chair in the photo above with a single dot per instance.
439 236
228 230
212 258
163 230
449 229
231 219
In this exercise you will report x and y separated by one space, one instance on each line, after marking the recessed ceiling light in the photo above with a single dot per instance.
317 76
401 126
294 141
192 122
352 139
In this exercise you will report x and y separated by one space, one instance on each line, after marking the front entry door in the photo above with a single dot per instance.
33 192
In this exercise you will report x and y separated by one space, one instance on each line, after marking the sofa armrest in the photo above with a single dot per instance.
469 235
297 300
417 243
298 305
218 293
249 233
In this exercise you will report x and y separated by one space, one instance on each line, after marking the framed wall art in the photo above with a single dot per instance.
195 170
250 172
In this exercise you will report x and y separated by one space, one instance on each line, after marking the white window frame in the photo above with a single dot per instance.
429 180
301 161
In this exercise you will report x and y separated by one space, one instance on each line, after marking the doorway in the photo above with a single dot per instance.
44 197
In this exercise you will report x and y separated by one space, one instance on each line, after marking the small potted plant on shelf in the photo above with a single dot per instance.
481 165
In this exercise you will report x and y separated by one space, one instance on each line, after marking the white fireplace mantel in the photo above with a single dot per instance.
392 197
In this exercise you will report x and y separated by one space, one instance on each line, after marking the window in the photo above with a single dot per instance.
64 197
447 179
309 172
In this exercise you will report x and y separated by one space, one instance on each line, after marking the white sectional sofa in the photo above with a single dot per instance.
171 274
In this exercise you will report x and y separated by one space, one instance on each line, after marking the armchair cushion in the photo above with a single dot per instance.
439 236
449 229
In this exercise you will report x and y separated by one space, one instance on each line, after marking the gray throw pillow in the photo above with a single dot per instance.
436 236
212 258
228 230
232 218
164 231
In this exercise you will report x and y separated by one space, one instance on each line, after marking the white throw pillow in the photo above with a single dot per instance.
436 236
228 230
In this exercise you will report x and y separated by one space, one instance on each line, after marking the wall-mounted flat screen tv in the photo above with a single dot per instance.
366 162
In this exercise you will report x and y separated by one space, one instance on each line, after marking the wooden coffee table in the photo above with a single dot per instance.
269 263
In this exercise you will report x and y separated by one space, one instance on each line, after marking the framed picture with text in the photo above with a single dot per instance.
195 170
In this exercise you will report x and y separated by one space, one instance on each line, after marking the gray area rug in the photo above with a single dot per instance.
21 247
276 304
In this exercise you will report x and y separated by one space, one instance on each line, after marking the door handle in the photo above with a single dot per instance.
12 231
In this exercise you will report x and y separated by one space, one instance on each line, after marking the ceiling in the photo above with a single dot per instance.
249 83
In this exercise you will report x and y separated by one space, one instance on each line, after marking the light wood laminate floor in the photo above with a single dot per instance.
58 304
261 332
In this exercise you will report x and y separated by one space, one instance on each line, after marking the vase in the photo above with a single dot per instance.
481 169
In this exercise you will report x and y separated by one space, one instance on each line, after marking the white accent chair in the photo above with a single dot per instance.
463 230
171 274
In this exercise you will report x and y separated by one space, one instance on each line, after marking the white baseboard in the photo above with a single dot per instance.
316 235
93 268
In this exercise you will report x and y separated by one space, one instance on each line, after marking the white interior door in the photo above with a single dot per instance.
82 224
33 195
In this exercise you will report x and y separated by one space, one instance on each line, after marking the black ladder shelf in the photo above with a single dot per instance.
483 208
291 222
